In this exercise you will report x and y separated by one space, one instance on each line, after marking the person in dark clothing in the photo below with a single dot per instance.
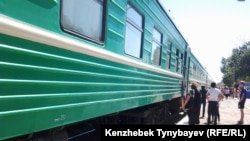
203 92
197 103
218 115
193 104
188 107
242 101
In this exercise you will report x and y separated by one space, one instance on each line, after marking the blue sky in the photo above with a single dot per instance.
212 28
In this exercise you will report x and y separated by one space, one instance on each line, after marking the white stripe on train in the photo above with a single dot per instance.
27 31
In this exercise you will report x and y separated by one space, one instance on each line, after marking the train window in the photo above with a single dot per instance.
182 62
189 69
194 71
169 55
133 37
156 47
177 60
84 18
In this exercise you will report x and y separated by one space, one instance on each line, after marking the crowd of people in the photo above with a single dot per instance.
196 100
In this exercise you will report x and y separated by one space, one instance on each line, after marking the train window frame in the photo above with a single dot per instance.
182 62
169 53
100 41
130 22
158 42
177 59
194 71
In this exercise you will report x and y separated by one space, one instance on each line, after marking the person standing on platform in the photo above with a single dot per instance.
188 106
197 102
227 92
214 96
203 92
242 100
218 116
231 92
192 104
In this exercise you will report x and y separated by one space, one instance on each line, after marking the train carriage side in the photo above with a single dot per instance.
197 73
63 62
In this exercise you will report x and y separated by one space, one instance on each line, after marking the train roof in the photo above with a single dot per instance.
171 20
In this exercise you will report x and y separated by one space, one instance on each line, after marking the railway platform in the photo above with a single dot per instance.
229 113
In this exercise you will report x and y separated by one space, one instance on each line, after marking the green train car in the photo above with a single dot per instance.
70 64
197 73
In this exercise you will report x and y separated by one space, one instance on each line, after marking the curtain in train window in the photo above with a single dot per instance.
83 18
133 37
156 48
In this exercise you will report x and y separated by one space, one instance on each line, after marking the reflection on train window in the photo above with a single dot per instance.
156 47
83 18
133 37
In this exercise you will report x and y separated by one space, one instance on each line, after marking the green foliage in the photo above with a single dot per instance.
223 62
237 66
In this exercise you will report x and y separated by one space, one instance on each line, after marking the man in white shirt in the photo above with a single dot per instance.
214 96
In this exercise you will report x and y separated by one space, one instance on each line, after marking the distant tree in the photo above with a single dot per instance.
244 71
237 66
224 65
228 79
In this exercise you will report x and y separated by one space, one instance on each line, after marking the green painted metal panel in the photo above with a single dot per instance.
116 25
43 13
43 86
53 87
164 55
